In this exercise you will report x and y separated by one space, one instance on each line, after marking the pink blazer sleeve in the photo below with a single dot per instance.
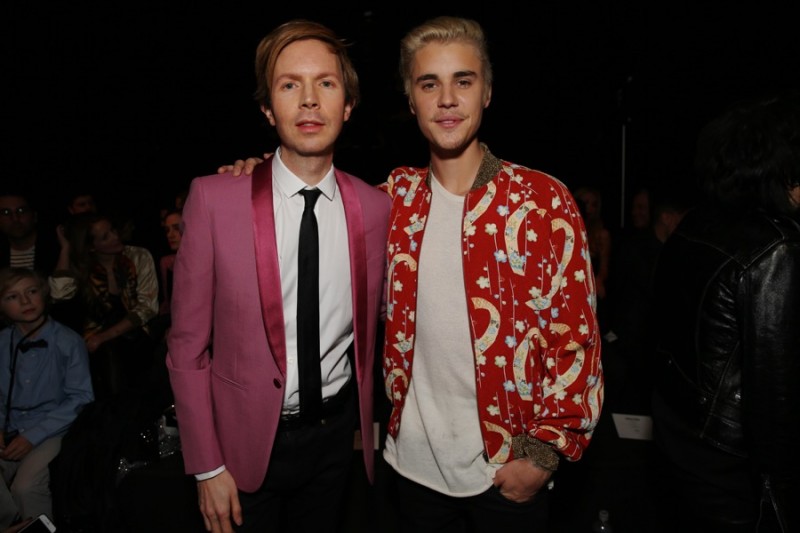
188 358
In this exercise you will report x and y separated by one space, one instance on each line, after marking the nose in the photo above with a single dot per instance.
310 99
447 96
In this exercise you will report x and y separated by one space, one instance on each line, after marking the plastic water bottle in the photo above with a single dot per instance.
602 525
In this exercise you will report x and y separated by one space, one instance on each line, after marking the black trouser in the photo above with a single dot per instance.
422 510
306 477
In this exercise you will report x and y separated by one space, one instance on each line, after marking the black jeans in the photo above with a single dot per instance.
422 510
306 477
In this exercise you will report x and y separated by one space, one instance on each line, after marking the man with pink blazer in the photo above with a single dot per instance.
233 342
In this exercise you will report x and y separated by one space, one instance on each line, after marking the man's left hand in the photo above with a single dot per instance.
520 480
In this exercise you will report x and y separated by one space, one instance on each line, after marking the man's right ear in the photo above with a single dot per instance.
268 113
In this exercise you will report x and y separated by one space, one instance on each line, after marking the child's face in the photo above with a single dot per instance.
23 303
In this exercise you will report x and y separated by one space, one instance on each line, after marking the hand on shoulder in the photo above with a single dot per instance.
243 166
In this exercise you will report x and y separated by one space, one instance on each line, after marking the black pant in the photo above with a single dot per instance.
306 477
422 510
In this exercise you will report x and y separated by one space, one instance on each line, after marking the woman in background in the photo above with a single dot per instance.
118 288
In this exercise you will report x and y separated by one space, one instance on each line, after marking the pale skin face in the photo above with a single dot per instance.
105 239
172 227
308 106
23 304
448 96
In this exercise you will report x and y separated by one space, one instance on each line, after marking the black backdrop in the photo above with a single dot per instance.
135 99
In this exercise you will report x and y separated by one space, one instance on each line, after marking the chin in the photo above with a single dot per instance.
449 149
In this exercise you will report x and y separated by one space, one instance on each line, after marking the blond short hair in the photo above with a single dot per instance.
443 30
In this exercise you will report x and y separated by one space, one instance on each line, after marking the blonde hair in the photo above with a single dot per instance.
443 30
273 44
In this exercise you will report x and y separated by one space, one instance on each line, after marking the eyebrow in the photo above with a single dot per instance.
299 76
457 74
426 77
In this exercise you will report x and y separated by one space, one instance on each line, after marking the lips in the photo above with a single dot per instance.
310 124
449 121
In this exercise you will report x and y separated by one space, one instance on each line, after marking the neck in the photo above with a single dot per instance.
310 169
456 170
22 243
27 327
107 260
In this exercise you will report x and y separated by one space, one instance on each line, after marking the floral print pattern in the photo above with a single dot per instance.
531 303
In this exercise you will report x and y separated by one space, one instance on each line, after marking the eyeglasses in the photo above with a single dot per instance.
22 210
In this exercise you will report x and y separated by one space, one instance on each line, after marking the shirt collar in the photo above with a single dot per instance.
43 333
490 167
289 184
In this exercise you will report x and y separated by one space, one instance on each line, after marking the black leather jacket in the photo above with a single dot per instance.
727 333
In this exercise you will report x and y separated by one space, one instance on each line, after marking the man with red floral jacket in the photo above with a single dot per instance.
492 352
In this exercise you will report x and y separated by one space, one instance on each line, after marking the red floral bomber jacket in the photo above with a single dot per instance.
531 302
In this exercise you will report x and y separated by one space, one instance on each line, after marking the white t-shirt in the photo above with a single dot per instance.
440 444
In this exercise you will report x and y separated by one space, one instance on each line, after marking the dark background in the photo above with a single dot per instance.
136 99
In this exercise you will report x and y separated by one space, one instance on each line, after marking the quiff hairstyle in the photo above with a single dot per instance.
443 30
287 33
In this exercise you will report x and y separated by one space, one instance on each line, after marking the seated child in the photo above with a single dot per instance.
44 383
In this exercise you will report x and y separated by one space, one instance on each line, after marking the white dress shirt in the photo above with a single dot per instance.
335 289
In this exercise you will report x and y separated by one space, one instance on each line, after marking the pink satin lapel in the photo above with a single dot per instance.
269 278
358 263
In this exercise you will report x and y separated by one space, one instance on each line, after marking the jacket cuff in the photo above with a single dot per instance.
536 451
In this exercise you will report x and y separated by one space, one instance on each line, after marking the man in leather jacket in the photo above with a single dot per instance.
727 332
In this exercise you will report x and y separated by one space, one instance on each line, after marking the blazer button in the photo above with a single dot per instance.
276 383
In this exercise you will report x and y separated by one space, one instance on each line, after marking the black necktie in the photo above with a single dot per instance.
308 355
25 346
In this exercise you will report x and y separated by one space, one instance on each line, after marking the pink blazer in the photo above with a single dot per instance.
227 302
